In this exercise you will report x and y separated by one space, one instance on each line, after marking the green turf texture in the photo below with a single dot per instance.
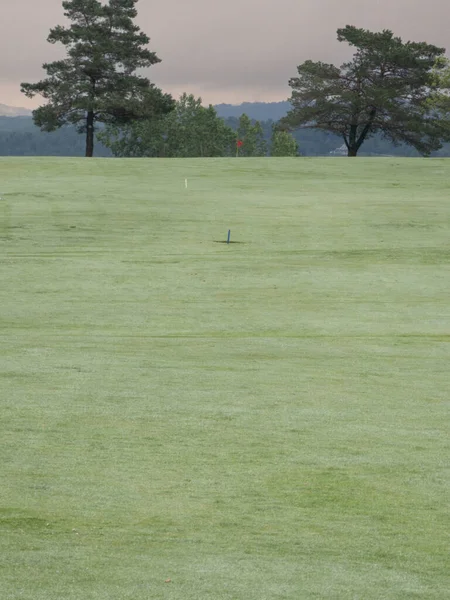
260 421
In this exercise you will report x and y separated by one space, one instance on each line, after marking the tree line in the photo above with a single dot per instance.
192 130
19 137
391 90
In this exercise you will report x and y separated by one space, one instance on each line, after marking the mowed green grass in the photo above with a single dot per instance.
259 421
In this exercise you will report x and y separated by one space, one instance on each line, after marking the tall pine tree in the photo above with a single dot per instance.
385 89
97 82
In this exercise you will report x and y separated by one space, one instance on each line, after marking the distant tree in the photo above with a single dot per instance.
97 82
251 135
139 138
283 144
385 89
194 130
190 130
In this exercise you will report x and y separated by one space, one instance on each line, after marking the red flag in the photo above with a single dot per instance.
240 143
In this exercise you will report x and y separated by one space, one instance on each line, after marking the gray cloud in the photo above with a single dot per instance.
230 51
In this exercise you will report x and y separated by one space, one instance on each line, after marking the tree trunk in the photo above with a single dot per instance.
365 131
90 134
352 151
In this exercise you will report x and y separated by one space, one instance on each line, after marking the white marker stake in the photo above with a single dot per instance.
185 183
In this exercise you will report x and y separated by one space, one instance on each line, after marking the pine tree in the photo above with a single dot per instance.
385 89
439 100
97 81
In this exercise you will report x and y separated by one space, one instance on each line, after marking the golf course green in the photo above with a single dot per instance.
185 419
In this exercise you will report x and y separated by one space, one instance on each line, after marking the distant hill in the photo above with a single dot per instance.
13 111
260 111
17 123
19 136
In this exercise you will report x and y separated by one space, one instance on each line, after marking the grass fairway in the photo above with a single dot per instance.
260 421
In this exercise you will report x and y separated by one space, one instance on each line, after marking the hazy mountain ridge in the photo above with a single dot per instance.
260 111
14 111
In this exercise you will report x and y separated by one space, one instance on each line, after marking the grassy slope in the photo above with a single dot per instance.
263 420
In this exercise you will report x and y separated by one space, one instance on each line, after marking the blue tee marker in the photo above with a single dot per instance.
229 235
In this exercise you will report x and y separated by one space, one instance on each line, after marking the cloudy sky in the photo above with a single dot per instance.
223 50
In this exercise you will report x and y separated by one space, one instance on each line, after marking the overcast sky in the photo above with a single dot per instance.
225 51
